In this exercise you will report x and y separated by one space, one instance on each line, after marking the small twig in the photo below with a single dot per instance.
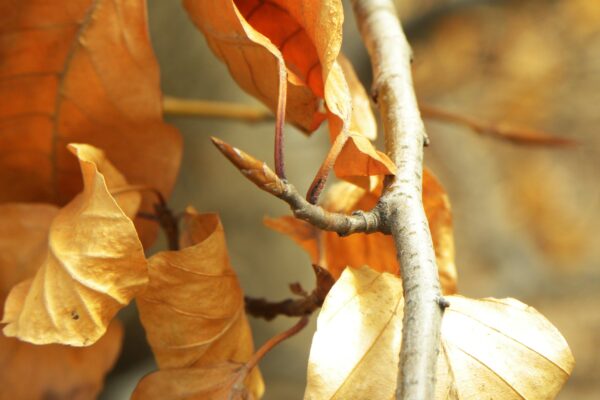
165 217
507 132
238 386
263 177
214 109
305 305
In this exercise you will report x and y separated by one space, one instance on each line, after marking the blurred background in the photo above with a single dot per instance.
526 219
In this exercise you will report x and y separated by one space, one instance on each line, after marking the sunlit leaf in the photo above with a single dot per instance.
79 71
93 267
197 293
500 349
334 253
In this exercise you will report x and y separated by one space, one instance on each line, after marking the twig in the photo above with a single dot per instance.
305 305
401 205
263 177
214 109
238 386
507 132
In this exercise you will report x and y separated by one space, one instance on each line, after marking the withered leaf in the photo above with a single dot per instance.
79 71
93 267
213 382
334 253
254 38
500 349
49 371
196 290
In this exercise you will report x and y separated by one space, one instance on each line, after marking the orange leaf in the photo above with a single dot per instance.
377 250
197 292
255 37
50 371
93 267
82 72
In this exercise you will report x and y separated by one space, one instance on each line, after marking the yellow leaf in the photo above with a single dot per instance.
362 119
23 242
94 266
334 253
49 371
215 382
500 349
193 307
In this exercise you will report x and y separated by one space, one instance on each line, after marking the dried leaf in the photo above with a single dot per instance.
94 266
197 292
254 38
255 170
215 382
334 253
79 72
362 119
500 349
55 371
23 242
50 371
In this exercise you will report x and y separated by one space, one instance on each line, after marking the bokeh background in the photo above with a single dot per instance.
526 219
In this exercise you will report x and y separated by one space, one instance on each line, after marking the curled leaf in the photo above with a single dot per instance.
255 170
94 266
334 253
197 292
79 72
254 38
500 349
49 371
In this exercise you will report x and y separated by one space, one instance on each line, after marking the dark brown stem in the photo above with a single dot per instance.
304 305
401 205
162 213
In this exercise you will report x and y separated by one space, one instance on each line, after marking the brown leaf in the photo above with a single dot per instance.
197 292
254 38
215 382
334 253
94 266
500 349
82 72
55 371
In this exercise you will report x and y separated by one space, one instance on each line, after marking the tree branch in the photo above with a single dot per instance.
214 109
401 205
262 176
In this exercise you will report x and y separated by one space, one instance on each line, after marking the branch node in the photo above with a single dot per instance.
443 302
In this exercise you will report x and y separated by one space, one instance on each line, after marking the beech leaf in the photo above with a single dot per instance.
196 290
256 38
94 266
491 348
49 371
80 71
334 253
